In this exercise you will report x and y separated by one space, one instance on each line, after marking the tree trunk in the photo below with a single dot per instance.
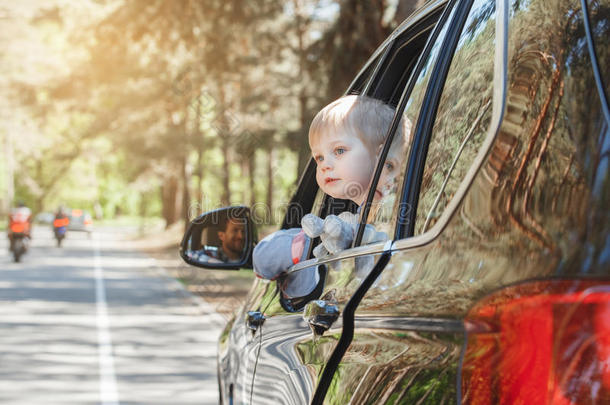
224 133
303 154
169 190
10 170
186 194
269 199
251 170
200 142
199 173
226 179
39 204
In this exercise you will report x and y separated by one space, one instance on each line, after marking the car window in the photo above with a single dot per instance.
384 211
387 85
398 66
366 74
462 118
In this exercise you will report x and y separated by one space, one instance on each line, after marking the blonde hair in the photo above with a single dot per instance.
364 116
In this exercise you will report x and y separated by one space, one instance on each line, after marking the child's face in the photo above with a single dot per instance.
387 181
345 165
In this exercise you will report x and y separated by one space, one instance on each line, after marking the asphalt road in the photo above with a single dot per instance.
94 322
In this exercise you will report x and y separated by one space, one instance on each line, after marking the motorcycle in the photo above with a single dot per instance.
20 245
59 229
19 231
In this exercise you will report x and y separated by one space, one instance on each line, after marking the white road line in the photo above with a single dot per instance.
108 388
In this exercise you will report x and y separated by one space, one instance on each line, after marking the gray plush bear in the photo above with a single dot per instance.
337 232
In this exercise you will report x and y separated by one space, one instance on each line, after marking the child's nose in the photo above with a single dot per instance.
326 164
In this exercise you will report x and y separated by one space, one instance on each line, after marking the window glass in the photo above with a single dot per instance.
318 204
384 210
462 117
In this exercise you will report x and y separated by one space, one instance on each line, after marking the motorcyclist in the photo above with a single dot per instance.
19 221
61 218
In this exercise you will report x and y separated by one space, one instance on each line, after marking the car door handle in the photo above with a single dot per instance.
320 315
254 320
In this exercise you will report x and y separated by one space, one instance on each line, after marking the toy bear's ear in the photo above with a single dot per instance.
350 218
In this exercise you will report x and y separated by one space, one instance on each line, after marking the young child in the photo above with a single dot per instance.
345 138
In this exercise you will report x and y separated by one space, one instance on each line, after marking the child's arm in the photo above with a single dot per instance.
277 253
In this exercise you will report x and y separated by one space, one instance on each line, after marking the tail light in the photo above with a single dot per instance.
544 342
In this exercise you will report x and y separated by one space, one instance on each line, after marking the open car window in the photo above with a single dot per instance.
386 206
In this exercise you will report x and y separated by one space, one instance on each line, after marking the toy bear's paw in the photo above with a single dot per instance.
320 251
371 235
312 225
337 235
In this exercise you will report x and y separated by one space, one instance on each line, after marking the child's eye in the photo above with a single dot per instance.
389 166
340 151
318 158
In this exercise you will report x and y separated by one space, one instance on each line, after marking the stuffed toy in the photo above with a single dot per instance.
337 232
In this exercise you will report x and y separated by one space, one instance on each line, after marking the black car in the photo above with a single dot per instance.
494 286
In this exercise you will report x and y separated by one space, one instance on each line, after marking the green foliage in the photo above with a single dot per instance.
171 103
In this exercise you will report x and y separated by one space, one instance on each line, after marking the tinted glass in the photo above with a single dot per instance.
384 211
462 117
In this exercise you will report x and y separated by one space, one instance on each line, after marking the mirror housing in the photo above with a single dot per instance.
220 239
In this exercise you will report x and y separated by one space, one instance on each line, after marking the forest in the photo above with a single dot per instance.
169 108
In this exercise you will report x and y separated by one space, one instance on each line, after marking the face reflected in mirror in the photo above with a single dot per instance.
233 238
219 239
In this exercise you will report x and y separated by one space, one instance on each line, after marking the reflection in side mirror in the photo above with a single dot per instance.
220 239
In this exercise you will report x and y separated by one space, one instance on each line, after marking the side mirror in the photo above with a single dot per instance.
220 239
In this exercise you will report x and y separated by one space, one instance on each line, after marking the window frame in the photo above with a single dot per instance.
413 27
445 10
422 23
404 237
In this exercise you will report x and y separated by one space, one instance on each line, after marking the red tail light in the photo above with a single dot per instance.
541 343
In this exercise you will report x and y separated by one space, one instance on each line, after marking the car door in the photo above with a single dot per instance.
487 297
402 351
292 358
